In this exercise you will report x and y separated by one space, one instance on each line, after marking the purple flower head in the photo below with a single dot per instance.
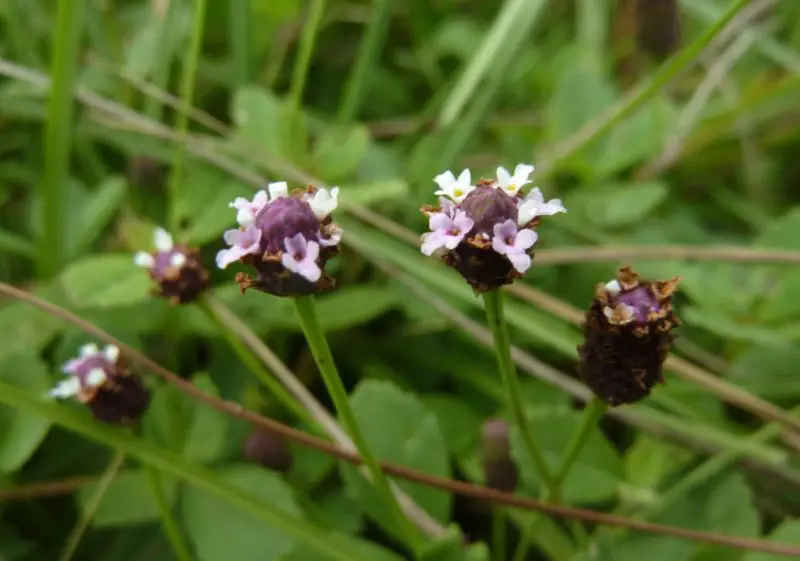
627 337
286 237
446 231
100 380
514 244
486 230
176 269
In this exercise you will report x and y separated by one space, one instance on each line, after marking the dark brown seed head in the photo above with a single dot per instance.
627 337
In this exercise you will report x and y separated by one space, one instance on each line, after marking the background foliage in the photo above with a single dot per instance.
378 98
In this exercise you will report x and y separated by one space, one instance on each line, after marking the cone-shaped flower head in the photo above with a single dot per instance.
100 379
286 237
176 269
628 334
486 231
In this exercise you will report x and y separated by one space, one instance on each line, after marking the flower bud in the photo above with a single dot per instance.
102 381
486 231
269 449
176 269
287 238
627 337
499 469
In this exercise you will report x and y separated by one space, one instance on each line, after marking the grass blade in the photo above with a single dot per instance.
54 192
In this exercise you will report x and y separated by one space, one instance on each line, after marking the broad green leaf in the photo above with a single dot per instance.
459 422
339 151
355 305
372 192
399 429
782 302
204 208
335 510
768 372
101 207
649 461
783 232
150 44
104 281
129 499
597 472
616 206
26 328
368 550
15 244
788 533
730 511
220 532
22 432
183 424
265 121
728 327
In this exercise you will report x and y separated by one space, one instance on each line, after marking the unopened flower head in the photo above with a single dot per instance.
101 380
486 231
176 269
286 237
628 335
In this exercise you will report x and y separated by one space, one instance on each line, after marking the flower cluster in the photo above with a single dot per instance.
486 231
176 269
628 334
100 379
286 237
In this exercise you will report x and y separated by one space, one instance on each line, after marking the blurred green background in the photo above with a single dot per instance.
691 163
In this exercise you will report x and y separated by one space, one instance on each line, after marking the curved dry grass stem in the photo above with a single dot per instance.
458 487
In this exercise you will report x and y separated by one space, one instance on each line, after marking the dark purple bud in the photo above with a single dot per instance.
486 206
269 449
103 382
499 469
627 337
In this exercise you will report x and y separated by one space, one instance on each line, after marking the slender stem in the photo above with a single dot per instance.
239 28
502 348
306 48
499 538
161 64
171 529
368 50
182 118
91 506
54 194
591 415
318 344
253 364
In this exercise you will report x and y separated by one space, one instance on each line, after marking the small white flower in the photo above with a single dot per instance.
246 210
511 184
111 352
534 205
144 259
96 377
162 240
323 201
455 189
331 235
242 242
278 190
613 288
177 260
66 389
87 350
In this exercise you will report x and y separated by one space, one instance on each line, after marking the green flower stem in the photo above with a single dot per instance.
91 506
171 529
307 313
591 415
252 363
499 537
502 348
